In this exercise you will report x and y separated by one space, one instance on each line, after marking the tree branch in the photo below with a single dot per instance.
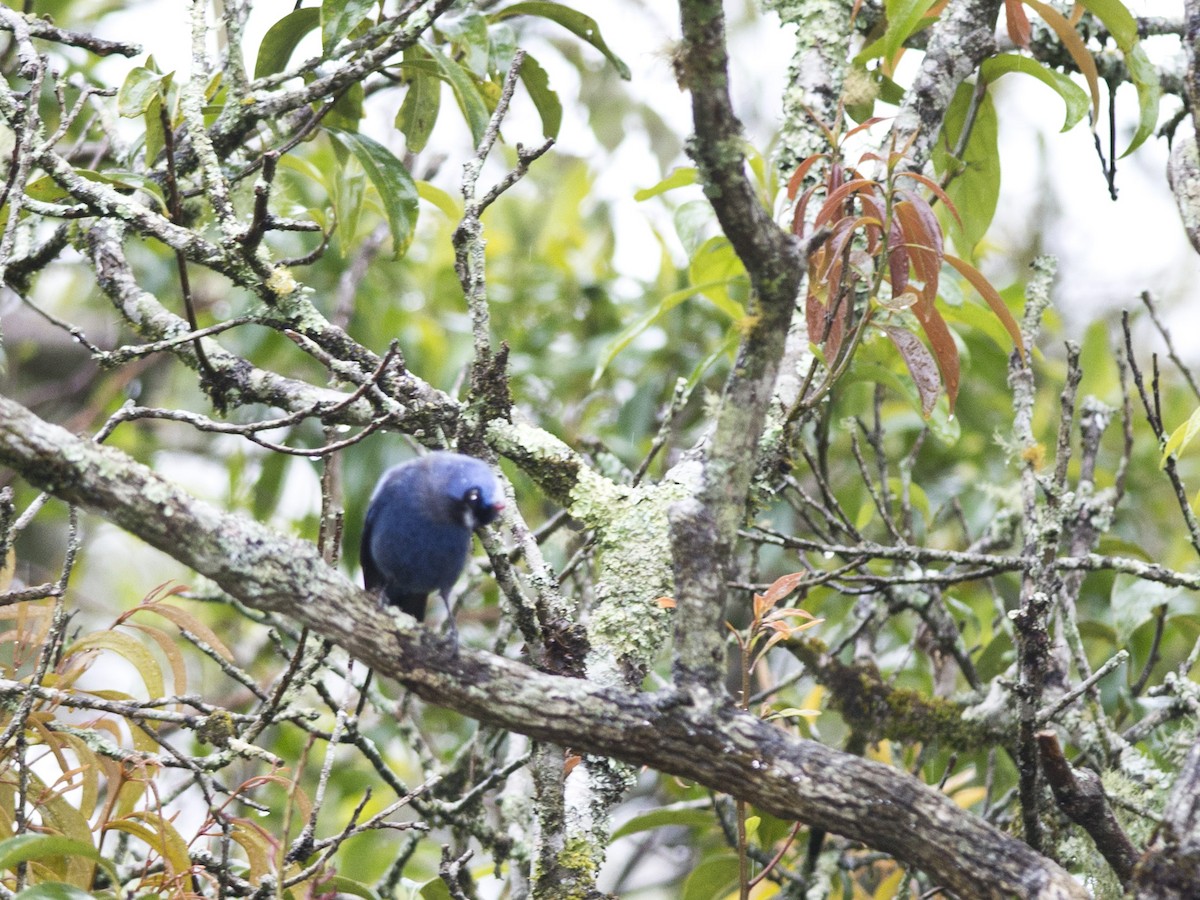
722 748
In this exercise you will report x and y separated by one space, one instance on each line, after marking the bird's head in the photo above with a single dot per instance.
470 485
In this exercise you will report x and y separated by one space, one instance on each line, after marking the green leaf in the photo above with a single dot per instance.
1075 47
630 332
1135 602
54 890
450 207
140 87
282 38
1149 91
268 487
549 107
1181 437
467 31
392 180
422 102
975 190
577 23
904 18
1075 97
716 268
466 92
680 176
660 818
1116 18
436 890
714 877
27 847
343 885
340 17
347 109
156 137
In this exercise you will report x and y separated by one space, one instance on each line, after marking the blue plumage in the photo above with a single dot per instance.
418 528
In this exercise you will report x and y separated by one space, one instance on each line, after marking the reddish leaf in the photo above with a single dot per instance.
931 228
925 249
942 342
871 207
985 289
814 316
898 267
798 214
1017 23
801 171
832 208
921 365
862 126
839 323
935 189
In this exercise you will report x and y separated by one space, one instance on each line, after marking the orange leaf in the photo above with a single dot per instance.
942 342
988 293
783 586
923 245
665 602
934 188
801 171
1017 23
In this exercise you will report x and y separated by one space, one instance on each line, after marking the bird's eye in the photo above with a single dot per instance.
472 496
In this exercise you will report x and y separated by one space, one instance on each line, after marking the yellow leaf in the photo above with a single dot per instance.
968 797
889 887
6 572
134 652
185 621
159 835
1181 437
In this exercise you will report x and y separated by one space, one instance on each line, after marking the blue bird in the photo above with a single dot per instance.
418 528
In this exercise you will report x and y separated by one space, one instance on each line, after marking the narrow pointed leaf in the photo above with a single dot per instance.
941 341
466 92
282 38
1017 23
577 23
340 17
1073 96
680 176
1074 45
419 110
992 298
391 179
549 107
921 365
1149 92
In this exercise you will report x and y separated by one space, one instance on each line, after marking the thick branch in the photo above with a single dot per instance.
722 748
958 43
774 263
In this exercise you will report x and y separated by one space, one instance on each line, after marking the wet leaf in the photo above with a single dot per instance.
921 365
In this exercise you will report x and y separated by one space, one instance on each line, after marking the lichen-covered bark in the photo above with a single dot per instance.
958 43
816 75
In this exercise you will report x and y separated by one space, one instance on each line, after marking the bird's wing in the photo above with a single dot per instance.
372 578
